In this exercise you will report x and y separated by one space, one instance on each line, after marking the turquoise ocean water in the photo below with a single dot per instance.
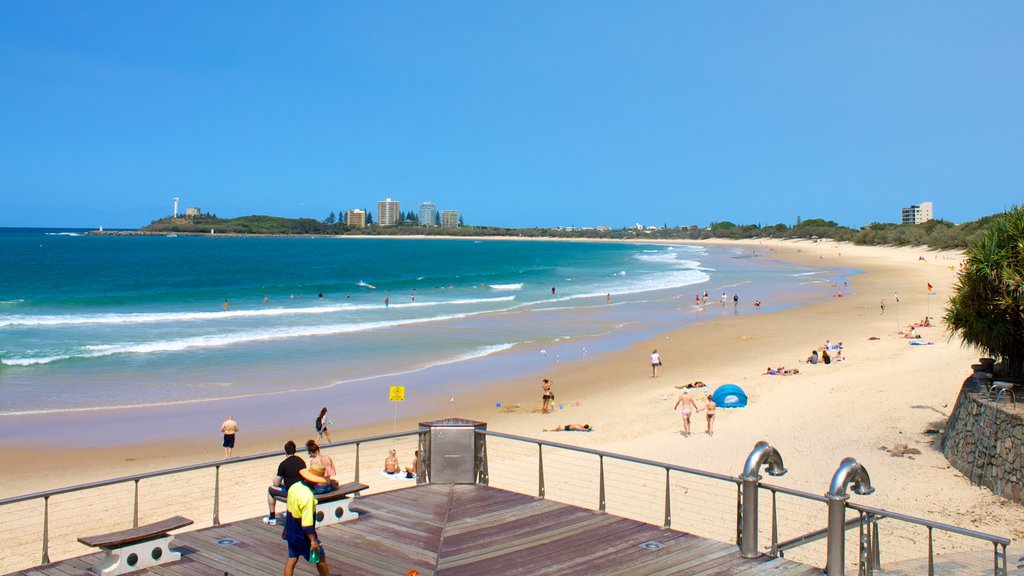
88 322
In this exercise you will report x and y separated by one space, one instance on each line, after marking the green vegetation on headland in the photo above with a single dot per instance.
937 234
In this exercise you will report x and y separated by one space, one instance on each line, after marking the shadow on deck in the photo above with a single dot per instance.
455 530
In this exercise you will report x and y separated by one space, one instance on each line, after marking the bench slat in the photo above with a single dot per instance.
147 532
338 493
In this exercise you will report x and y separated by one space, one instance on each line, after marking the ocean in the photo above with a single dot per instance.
94 322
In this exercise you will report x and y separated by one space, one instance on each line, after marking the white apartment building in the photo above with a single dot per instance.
428 214
917 213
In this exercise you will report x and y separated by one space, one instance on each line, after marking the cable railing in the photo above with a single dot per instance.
656 495
707 504
209 493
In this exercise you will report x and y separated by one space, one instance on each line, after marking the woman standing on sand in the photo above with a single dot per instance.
655 363
710 409
548 397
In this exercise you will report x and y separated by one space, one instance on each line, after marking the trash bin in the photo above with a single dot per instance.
453 451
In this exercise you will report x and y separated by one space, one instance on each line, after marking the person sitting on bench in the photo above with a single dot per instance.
287 474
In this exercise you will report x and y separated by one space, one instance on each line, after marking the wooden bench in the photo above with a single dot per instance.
333 507
136 548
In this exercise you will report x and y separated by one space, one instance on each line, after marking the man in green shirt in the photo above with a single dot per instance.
300 523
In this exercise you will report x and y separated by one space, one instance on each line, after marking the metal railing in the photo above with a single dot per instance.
639 488
134 481
869 558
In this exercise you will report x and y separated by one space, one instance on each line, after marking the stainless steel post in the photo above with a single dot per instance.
762 454
601 495
356 480
668 500
540 470
135 511
46 529
216 496
853 474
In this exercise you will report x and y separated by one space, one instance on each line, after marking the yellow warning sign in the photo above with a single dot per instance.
397 393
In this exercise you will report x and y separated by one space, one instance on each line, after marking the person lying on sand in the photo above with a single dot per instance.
697 384
570 428
781 371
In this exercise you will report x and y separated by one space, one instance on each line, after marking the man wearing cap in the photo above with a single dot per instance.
300 522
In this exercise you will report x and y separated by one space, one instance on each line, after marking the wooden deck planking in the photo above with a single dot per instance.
456 531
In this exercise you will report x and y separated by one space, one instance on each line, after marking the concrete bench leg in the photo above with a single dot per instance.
136 556
328 513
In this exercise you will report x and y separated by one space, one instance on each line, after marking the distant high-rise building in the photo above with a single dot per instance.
355 218
918 213
193 212
450 219
175 207
388 212
428 214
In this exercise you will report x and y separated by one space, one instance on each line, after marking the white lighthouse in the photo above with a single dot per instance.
175 206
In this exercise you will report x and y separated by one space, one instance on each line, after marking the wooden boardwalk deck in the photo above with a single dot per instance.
460 530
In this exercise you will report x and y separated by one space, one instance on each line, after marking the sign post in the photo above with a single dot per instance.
396 395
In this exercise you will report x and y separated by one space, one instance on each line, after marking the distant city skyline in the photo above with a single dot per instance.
531 114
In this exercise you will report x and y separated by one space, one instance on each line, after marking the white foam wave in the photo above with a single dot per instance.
506 287
158 317
63 234
470 355
230 339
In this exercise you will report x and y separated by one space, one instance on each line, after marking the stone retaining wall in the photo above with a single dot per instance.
1003 473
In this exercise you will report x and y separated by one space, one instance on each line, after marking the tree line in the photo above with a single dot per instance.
938 234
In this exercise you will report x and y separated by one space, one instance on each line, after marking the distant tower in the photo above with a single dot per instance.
175 206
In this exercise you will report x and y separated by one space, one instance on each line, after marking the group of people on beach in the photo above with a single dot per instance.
298 483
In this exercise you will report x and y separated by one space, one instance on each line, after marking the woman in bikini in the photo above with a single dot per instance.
548 397
710 409
316 458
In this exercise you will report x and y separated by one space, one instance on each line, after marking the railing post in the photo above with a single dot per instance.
540 470
864 554
762 454
216 496
356 479
135 512
668 499
876 549
600 493
739 514
775 527
46 529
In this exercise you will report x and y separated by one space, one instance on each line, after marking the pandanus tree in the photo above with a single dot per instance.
986 309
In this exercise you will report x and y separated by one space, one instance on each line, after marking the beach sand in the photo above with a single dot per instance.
885 393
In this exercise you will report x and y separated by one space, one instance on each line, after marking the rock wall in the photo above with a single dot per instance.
1003 470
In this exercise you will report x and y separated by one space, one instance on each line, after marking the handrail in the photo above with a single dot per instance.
882 513
654 463
793 492
814 536
192 467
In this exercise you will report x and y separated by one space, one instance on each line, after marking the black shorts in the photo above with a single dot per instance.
229 440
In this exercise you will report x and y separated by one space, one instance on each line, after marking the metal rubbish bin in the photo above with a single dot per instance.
453 451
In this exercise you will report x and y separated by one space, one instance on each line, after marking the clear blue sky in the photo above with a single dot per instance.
515 113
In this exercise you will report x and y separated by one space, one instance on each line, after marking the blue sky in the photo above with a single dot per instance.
517 114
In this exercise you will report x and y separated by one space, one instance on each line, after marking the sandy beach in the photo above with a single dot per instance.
885 393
